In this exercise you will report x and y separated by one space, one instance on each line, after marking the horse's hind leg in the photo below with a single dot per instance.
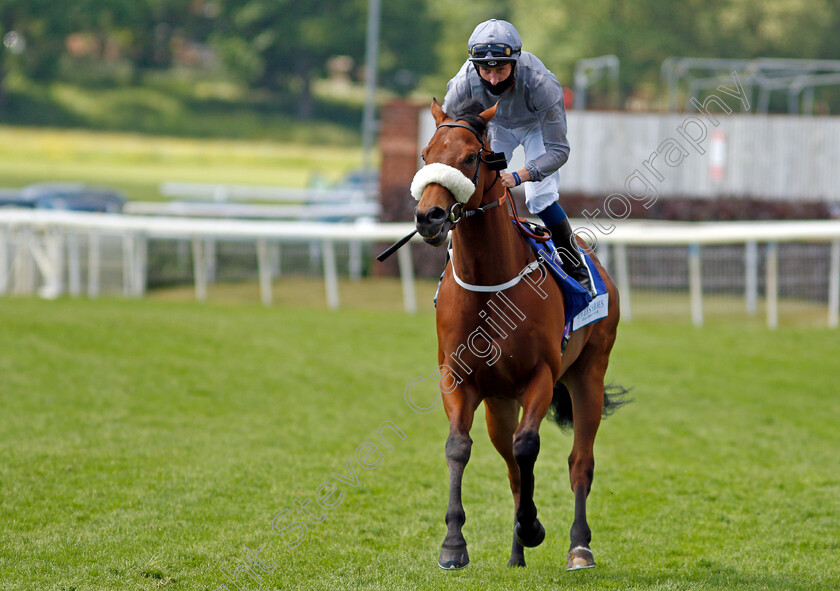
460 408
536 400
586 387
502 418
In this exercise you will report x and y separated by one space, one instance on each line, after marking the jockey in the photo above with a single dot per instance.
531 114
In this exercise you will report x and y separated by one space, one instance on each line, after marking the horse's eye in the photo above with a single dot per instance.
470 159
423 157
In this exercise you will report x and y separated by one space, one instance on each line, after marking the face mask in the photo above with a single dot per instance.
497 89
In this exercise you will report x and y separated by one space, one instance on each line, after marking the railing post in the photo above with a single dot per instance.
603 252
264 271
623 280
128 264
751 276
141 260
330 274
695 282
199 269
354 262
834 285
407 277
53 269
94 264
74 266
772 285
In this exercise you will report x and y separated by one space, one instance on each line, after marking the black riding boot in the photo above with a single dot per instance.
573 260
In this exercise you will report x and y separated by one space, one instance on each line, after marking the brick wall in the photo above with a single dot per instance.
398 146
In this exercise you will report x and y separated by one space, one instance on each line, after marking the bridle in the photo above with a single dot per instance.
493 160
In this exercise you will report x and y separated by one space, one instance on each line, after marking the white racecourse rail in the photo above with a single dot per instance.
49 240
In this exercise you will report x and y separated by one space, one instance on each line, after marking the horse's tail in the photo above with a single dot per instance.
615 396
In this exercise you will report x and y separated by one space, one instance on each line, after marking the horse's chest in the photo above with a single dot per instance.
492 358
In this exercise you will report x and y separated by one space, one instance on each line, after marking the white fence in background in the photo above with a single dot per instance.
40 252
225 201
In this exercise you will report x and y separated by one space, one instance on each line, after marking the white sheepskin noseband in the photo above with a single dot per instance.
451 178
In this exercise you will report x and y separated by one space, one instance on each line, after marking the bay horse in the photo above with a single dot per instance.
525 366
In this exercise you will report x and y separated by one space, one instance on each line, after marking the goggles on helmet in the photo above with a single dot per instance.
497 50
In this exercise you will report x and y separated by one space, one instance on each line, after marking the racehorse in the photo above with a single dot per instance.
521 361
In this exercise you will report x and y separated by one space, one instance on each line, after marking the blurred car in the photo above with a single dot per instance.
14 198
73 197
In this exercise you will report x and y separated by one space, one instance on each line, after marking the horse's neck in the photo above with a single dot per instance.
487 247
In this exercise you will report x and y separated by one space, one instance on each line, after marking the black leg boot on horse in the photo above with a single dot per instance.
573 261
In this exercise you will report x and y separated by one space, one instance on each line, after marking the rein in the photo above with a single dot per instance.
456 214
468 213
523 225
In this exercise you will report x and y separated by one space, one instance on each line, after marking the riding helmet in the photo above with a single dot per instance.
494 42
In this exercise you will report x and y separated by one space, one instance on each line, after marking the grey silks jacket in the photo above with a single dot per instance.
536 97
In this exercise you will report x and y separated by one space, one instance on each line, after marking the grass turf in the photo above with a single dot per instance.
146 444
137 164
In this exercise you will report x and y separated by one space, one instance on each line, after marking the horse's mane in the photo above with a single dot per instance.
468 110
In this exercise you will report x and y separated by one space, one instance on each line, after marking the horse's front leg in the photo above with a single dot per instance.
586 387
460 408
528 530
502 416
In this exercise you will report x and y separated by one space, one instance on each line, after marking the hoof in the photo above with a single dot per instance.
453 558
529 539
580 558
516 562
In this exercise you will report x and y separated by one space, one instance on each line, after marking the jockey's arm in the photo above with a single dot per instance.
553 126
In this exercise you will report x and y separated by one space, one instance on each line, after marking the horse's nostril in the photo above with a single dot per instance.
436 215
433 216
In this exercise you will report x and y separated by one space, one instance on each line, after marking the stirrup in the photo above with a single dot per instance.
581 274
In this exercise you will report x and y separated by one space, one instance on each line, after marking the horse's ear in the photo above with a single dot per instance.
489 113
437 112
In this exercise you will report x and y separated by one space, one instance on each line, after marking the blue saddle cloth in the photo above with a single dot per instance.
575 297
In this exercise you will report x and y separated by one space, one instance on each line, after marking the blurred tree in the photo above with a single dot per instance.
33 34
10 40
153 24
148 28
643 33
285 44
409 35
281 44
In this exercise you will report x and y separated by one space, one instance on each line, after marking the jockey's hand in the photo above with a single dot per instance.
508 180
